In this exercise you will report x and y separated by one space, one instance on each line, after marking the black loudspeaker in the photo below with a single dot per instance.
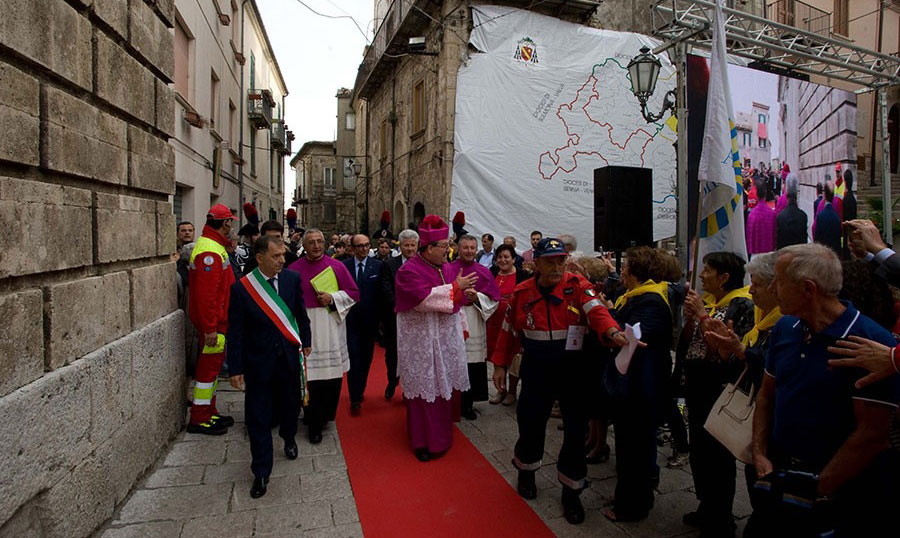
623 207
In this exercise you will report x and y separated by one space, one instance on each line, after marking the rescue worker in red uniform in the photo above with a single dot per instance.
210 280
549 317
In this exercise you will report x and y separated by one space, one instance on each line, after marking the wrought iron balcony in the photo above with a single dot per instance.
259 108
800 15
278 138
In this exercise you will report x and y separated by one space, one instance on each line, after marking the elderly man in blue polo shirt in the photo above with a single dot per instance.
820 445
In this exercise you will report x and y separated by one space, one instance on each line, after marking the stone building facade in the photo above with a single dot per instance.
753 136
315 194
405 102
222 53
345 158
91 352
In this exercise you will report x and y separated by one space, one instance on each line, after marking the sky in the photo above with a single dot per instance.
317 55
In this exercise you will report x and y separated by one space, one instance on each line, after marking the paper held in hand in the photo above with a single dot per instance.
325 282
623 358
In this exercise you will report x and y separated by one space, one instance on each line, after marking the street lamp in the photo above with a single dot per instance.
643 70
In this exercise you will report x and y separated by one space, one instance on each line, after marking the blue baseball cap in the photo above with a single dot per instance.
550 246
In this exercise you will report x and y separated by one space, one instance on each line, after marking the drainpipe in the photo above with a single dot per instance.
242 98
393 120
875 112
365 224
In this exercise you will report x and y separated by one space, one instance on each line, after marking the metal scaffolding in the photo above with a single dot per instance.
774 47
769 44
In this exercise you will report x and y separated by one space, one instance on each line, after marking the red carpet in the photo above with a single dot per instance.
457 494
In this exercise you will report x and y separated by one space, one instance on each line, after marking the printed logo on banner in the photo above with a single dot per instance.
526 51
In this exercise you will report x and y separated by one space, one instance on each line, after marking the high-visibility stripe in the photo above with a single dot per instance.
588 306
204 392
218 348
545 336
574 484
526 466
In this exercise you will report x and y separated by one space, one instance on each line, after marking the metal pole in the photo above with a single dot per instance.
885 167
681 158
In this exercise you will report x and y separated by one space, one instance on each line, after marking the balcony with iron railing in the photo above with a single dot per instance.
800 15
259 108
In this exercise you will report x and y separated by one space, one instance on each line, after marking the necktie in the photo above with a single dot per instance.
272 283
359 273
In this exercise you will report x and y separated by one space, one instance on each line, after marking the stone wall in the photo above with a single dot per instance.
91 343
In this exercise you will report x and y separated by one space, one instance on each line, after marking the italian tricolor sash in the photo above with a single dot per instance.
267 299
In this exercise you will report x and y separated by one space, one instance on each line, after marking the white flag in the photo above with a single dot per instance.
721 196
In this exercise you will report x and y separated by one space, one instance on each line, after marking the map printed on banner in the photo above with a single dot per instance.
541 105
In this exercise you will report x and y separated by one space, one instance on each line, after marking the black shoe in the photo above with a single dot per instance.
222 420
469 414
526 486
423 454
207 428
355 409
692 519
259 487
315 437
572 509
390 390
290 449
599 457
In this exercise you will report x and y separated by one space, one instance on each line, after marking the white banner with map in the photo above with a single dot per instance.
538 108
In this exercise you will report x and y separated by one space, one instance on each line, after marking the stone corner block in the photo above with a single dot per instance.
126 227
165 108
39 210
152 163
19 116
84 141
113 13
52 34
22 341
150 36
123 82
112 390
86 314
52 421
153 292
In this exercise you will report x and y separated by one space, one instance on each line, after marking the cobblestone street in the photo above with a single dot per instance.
199 488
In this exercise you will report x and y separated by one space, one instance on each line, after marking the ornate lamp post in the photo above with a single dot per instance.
643 70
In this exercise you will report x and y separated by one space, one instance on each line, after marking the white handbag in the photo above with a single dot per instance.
731 419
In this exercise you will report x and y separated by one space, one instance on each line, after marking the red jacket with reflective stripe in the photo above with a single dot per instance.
209 283
532 316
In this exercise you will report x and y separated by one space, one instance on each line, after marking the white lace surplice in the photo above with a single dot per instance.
431 351
329 358
476 317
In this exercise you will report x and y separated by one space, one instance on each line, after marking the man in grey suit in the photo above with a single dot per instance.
409 243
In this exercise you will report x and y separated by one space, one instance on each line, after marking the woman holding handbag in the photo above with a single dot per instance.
639 394
508 276
706 374
752 348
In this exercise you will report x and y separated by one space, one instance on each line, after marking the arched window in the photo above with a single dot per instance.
893 132
418 213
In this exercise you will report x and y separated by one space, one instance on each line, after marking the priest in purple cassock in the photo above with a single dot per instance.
431 349
480 303
328 359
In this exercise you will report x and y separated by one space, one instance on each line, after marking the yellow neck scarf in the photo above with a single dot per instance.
662 289
710 300
761 324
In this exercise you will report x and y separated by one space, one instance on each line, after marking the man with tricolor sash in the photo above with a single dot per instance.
268 328
210 277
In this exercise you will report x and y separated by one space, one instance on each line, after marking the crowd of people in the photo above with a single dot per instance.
810 340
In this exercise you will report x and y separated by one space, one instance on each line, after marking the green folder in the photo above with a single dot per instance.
325 282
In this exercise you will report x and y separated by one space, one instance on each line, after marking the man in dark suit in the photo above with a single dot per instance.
361 331
790 224
262 356
409 244
827 229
